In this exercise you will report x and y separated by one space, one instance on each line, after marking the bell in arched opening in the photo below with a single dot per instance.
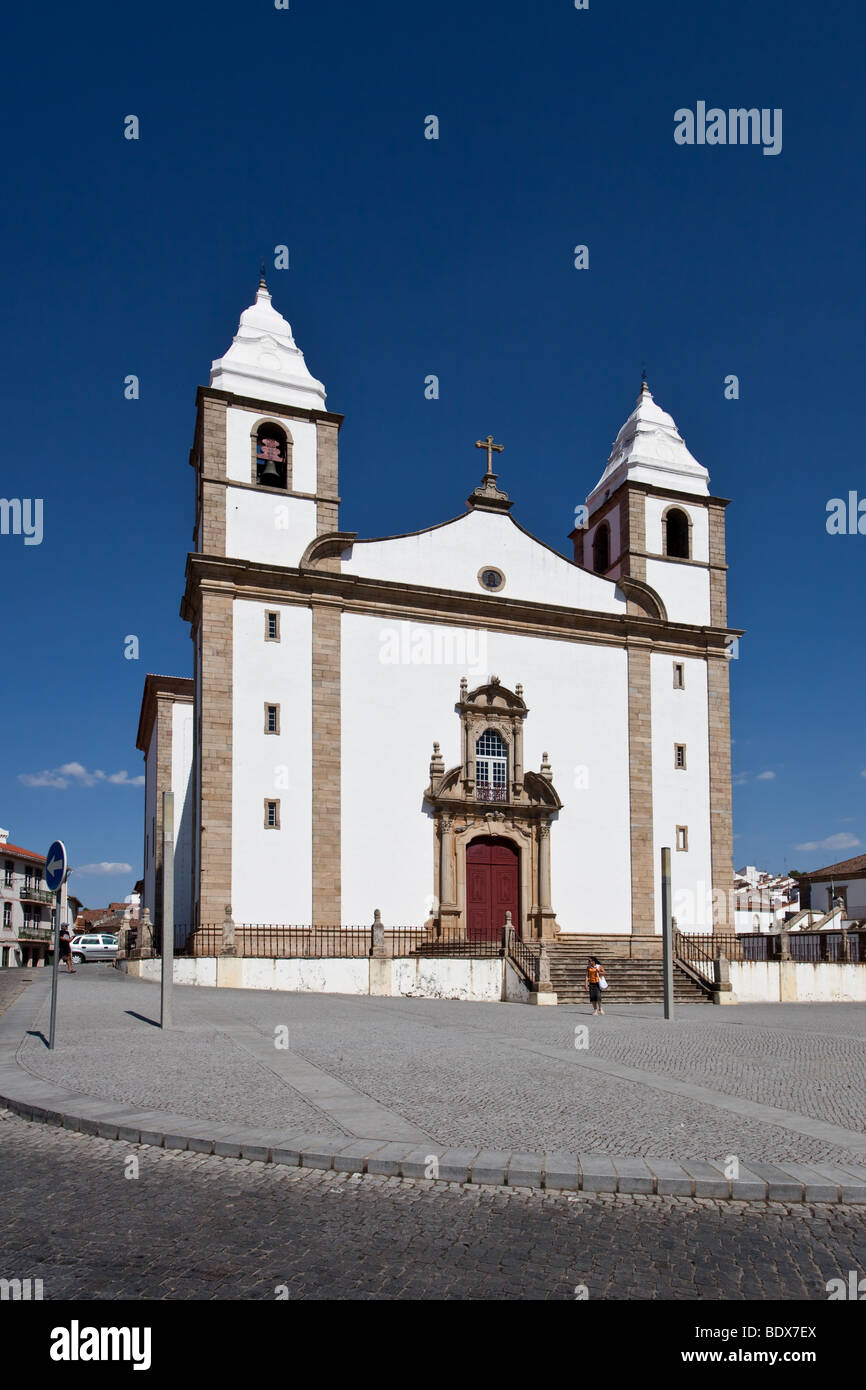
271 457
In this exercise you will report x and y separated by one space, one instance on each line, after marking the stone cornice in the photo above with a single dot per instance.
262 407
274 492
177 689
403 602
698 498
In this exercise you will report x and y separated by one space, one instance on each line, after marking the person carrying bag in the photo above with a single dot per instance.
595 982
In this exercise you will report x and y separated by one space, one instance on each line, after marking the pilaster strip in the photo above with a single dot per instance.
215 888
327 770
718 567
327 482
213 467
633 543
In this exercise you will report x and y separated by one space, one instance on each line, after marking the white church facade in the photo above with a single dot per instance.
447 725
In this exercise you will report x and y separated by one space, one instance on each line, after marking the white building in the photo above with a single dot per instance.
26 905
450 724
843 882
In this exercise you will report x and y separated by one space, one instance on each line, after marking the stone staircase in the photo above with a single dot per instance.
631 981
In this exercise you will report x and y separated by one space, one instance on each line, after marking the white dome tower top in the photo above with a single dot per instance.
650 449
265 362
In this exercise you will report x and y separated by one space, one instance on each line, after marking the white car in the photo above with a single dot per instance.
94 946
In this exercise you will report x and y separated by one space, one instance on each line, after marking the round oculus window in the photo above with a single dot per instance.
491 579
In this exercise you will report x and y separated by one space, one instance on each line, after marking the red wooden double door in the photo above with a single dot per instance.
492 888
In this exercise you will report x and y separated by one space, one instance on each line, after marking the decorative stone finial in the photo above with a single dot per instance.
464 687
437 764
518 690
546 769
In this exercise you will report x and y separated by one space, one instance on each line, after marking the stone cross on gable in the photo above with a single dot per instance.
490 447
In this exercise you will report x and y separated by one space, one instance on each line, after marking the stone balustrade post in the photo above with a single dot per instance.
543 969
507 934
229 945
377 933
145 935
722 972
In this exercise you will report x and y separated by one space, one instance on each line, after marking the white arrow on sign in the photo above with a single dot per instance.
54 865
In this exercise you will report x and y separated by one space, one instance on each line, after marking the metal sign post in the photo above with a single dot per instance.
55 877
165 1019
667 934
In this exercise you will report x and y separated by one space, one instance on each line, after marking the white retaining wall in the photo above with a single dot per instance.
418 977
791 982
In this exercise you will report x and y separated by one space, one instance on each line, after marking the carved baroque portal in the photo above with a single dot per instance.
491 795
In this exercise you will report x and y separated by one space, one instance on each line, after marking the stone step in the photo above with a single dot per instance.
630 981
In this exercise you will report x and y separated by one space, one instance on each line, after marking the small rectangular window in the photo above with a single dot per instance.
272 627
272 815
7 914
272 719
679 755
679 676
682 837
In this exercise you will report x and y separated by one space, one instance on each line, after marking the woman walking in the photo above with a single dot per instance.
594 976
65 948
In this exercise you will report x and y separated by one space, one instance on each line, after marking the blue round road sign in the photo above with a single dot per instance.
55 866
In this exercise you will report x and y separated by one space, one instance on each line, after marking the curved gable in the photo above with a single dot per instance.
451 555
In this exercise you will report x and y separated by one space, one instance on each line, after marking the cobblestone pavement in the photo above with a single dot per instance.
503 1076
196 1227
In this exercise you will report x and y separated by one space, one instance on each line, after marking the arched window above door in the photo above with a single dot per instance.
491 767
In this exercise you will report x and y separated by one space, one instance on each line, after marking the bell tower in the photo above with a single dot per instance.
265 449
265 461
651 518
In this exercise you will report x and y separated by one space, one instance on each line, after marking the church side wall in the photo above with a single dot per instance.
150 825
400 684
272 868
682 797
181 786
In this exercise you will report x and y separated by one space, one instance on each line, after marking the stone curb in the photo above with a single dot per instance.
548 1172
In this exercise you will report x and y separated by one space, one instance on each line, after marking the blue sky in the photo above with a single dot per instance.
305 127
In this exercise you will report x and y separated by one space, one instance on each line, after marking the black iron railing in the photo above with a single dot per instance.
813 947
486 791
278 942
525 956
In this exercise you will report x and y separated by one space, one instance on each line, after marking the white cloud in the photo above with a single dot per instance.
741 779
76 773
103 868
841 841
